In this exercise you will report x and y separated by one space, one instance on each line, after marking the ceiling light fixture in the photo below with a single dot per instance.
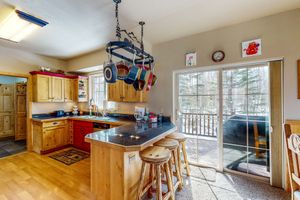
18 25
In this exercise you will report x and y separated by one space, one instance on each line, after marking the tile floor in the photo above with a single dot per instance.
207 184
10 146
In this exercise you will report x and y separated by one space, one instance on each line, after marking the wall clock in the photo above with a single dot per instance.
218 56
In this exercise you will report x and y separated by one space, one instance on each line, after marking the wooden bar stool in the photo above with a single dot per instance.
182 140
172 145
156 157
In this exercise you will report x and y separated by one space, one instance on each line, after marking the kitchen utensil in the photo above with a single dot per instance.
122 70
110 72
133 73
140 83
152 78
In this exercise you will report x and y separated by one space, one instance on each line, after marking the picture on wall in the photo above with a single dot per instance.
251 48
190 59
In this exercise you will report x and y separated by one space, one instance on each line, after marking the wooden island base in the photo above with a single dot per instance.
114 172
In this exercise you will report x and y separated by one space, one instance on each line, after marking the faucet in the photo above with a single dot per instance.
91 103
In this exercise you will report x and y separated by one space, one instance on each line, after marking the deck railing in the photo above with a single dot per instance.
199 124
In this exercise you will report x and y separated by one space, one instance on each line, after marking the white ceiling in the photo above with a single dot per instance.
77 27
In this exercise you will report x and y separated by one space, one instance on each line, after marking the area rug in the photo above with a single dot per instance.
70 156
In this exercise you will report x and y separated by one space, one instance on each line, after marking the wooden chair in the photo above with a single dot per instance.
182 148
157 158
292 146
259 140
173 146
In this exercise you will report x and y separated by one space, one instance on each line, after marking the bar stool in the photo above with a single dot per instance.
156 157
182 140
172 145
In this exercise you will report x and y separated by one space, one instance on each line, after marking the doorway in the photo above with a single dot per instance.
13 115
225 115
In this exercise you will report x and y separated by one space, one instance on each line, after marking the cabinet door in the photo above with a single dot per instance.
77 136
130 94
42 88
115 91
53 137
8 103
21 104
8 125
57 89
21 127
68 90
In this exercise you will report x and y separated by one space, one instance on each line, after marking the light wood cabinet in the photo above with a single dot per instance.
122 92
48 88
69 86
50 135
42 88
58 93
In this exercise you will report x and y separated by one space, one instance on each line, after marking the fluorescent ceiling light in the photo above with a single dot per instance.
91 69
18 25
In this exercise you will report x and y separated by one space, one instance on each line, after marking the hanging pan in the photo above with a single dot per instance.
110 71
123 70
133 72
140 82
152 78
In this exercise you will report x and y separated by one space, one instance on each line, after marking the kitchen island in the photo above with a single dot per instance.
115 161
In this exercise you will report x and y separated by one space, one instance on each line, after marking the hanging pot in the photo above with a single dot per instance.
140 83
122 70
132 76
152 78
110 72
133 72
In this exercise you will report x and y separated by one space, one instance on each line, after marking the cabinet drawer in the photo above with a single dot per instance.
54 123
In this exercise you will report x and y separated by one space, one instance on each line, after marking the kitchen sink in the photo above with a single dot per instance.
96 118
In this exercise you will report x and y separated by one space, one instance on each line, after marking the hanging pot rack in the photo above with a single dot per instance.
117 48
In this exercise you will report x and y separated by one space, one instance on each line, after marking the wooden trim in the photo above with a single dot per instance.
298 77
28 104
276 121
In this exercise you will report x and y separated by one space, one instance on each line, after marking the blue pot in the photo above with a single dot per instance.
110 73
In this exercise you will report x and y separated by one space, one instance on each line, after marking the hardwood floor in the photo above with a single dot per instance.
29 176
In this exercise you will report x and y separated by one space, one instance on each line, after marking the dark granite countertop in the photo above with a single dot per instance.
135 136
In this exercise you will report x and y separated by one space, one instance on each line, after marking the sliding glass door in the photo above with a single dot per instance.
246 120
225 116
198 108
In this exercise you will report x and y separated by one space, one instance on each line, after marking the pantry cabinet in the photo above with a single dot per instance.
122 92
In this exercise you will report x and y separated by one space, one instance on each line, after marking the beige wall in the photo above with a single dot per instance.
280 36
22 62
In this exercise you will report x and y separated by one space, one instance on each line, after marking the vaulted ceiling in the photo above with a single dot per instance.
77 27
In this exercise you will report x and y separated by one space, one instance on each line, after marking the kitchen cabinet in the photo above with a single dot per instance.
80 130
50 135
58 94
53 89
69 87
81 89
122 92
42 88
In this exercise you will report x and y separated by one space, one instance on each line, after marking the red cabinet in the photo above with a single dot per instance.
81 129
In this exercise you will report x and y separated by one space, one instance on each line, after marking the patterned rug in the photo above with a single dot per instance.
70 156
